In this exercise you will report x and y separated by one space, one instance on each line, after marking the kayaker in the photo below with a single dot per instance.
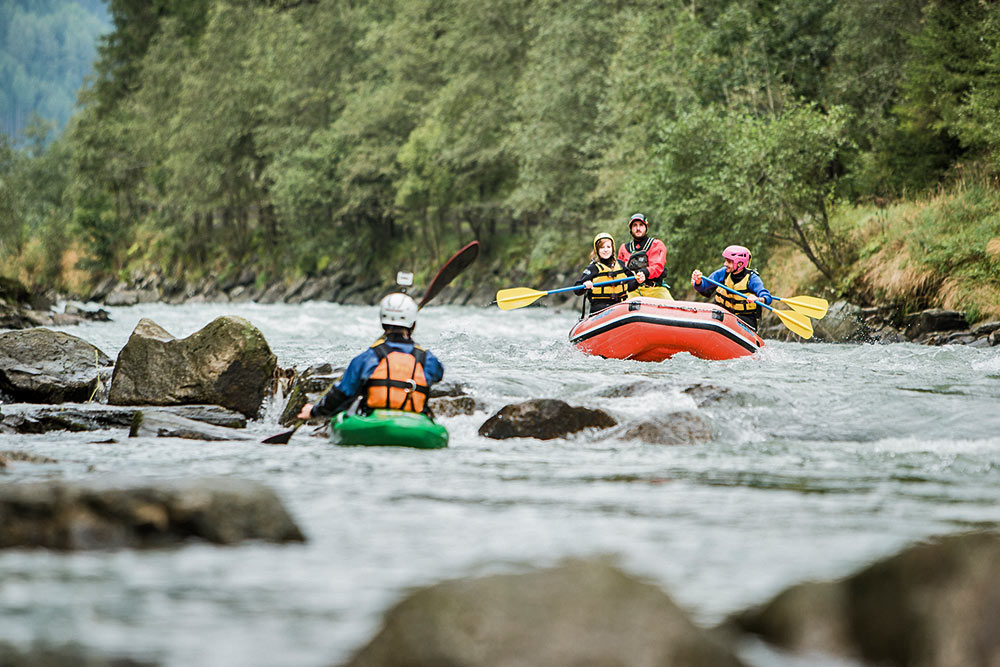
737 275
647 257
393 373
604 266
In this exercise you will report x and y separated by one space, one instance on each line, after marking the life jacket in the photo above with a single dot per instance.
607 294
637 259
398 382
734 303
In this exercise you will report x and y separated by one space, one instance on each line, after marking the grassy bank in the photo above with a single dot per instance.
939 251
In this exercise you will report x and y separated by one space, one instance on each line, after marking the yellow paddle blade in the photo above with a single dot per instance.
517 297
813 306
797 322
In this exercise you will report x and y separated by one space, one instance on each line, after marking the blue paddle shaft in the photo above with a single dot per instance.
576 287
729 289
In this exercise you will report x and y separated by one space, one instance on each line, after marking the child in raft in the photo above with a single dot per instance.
736 275
604 266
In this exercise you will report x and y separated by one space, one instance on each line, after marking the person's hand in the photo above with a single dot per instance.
306 411
589 284
696 277
752 298
640 277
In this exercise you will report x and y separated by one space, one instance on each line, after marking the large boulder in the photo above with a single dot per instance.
581 613
44 366
544 419
69 516
935 604
226 363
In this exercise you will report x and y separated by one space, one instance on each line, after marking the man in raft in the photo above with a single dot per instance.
647 257
393 373
736 275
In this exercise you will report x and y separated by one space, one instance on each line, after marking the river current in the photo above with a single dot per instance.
824 458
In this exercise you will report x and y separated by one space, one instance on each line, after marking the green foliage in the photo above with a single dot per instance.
46 50
715 178
311 137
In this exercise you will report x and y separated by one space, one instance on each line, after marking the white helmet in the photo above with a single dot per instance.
398 310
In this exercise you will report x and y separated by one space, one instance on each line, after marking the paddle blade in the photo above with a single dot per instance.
812 306
517 297
797 322
281 438
454 266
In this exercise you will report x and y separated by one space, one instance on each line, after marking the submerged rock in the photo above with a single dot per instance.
159 423
676 428
71 516
580 613
226 363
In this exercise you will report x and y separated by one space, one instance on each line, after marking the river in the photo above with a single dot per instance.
824 458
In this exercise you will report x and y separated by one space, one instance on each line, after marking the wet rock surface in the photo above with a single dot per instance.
163 424
227 363
934 604
31 418
79 516
579 613
544 419
677 428
43 366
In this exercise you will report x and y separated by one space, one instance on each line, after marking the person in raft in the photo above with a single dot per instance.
604 266
647 257
736 275
393 373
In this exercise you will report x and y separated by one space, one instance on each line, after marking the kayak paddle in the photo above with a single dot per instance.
519 297
454 266
813 306
282 438
797 322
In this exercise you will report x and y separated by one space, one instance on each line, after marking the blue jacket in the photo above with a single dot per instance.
755 285
358 372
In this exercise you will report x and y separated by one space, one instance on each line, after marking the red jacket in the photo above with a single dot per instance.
656 253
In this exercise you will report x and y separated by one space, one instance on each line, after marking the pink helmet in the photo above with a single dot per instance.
739 255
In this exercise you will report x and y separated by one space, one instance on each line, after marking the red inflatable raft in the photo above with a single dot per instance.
648 329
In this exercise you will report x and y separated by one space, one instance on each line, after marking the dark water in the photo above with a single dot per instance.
824 458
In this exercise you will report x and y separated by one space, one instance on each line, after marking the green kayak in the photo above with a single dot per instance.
388 428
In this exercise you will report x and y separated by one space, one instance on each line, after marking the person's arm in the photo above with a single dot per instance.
756 286
587 277
657 259
340 396
433 370
706 288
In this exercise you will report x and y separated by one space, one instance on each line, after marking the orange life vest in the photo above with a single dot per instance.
398 381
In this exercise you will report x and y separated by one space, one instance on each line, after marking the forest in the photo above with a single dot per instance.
298 136
46 51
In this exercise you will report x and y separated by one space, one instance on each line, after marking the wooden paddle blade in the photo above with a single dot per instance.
517 297
454 266
812 306
281 438
797 322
